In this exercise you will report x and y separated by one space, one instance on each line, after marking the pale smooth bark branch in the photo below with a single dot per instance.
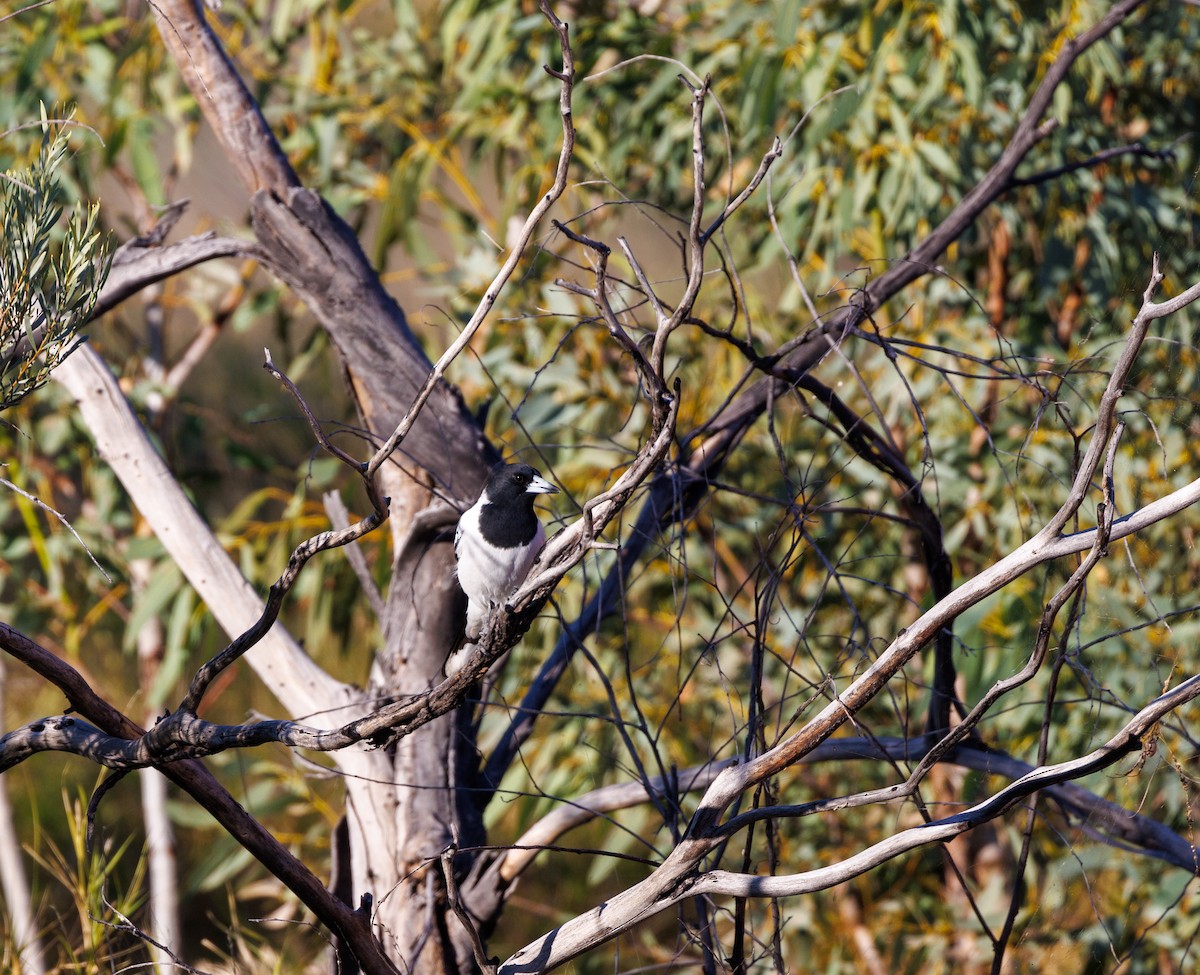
656 891
23 934
676 879
161 865
163 901
1108 821
288 672
567 78
202 786
1101 818
1130 738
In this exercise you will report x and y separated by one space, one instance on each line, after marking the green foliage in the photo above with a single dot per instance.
431 125
90 939
48 287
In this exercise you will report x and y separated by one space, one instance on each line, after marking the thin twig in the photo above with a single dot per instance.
339 517
486 965
62 519
1134 149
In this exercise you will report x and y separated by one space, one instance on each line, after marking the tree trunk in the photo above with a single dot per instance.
404 804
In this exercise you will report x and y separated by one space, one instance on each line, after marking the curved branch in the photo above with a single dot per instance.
1129 739
1111 822
1101 157
321 542
676 880
199 783
289 673
135 267
676 872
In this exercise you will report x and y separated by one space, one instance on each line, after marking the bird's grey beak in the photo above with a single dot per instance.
539 485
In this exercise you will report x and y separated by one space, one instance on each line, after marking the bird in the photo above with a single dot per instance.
495 545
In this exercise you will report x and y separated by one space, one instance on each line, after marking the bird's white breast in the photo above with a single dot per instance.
487 573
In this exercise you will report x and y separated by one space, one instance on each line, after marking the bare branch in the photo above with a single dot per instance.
198 782
485 964
764 166
138 266
62 520
670 882
283 666
25 9
674 880
1115 152
695 244
275 596
1127 740
339 517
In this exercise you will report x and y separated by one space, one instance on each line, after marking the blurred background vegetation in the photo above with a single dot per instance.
431 126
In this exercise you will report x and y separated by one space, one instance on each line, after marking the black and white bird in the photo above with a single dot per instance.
496 543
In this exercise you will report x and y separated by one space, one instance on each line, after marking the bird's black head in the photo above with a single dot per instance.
511 483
